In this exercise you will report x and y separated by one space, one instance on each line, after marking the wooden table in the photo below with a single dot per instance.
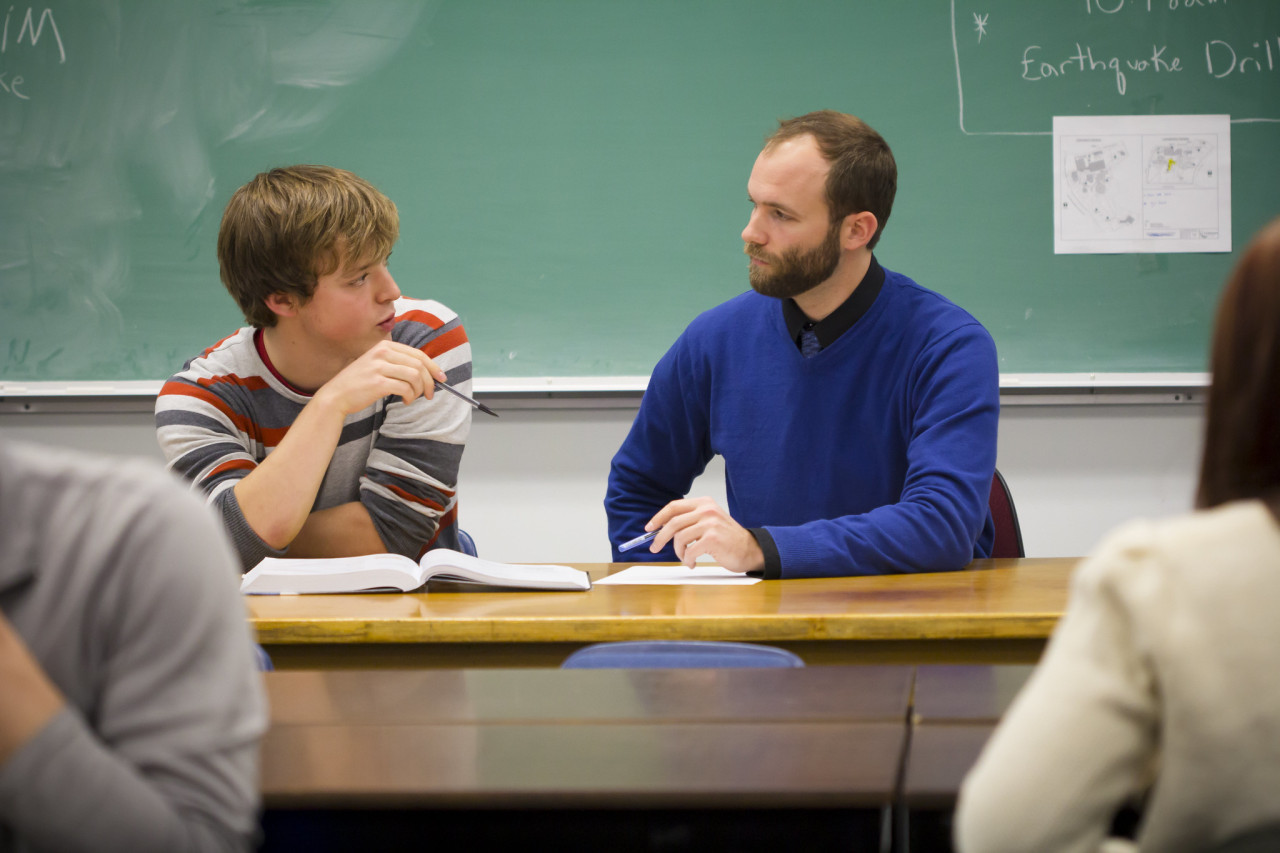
996 611
748 759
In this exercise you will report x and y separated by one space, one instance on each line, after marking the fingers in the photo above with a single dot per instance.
410 366
682 522
386 369
698 527
672 510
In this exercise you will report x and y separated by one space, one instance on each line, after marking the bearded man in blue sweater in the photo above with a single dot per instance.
856 411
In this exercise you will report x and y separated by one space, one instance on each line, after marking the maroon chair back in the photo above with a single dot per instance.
1008 542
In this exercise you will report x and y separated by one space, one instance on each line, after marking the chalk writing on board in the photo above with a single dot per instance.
1221 59
1112 7
1100 56
1083 60
25 31
116 155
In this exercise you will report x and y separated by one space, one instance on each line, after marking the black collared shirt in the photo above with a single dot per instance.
842 319
828 329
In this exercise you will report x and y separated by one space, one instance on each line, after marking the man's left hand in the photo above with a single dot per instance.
698 526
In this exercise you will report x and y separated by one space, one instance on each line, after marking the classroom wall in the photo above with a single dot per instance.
533 480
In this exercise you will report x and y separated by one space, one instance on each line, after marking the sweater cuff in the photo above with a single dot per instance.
249 546
772 560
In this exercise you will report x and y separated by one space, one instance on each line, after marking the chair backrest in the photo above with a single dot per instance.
679 654
1008 542
466 544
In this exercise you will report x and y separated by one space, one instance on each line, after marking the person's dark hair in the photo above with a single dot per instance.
1242 431
287 227
863 173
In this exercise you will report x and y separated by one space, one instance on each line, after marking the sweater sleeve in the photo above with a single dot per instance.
166 760
411 481
668 446
1081 737
941 520
213 422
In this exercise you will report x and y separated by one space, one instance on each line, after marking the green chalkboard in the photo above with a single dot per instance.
571 174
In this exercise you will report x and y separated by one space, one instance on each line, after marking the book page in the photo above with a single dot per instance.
334 574
445 564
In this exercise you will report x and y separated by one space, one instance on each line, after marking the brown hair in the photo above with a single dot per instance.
1242 430
863 173
287 227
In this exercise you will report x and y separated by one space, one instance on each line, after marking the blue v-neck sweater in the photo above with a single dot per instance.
874 456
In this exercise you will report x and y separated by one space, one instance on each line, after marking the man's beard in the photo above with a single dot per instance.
795 271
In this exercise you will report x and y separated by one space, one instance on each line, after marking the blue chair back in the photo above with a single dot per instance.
264 659
679 654
466 544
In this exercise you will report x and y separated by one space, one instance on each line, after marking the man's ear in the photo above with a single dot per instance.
858 229
281 304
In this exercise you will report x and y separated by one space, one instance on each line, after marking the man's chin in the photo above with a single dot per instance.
777 290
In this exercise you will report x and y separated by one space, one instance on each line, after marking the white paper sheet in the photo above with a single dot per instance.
701 576
1141 184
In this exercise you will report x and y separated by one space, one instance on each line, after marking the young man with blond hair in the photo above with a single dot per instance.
315 430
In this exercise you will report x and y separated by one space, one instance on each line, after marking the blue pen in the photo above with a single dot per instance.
639 540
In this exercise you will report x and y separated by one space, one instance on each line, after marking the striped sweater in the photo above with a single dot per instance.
227 409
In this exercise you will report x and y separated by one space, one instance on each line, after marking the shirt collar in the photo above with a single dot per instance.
842 319
260 344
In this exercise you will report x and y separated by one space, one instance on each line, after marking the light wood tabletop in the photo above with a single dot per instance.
995 611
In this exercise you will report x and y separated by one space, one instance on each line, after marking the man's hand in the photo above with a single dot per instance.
387 368
699 526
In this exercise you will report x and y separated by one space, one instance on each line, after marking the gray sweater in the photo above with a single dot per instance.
123 586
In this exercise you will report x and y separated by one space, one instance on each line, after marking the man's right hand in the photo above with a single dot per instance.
386 369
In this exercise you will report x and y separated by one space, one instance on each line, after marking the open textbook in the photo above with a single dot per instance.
393 572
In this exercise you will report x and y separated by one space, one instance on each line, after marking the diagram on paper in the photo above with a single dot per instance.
1142 184
1094 179
1186 162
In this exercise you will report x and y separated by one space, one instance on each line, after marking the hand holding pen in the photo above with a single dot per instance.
699 527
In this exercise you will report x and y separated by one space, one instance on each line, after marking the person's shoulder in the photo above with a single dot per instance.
420 321
95 479
731 314
1191 548
234 355
928 303
126 497
227 375
427 312
930 321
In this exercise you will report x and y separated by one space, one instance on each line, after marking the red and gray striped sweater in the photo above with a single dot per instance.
221 415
